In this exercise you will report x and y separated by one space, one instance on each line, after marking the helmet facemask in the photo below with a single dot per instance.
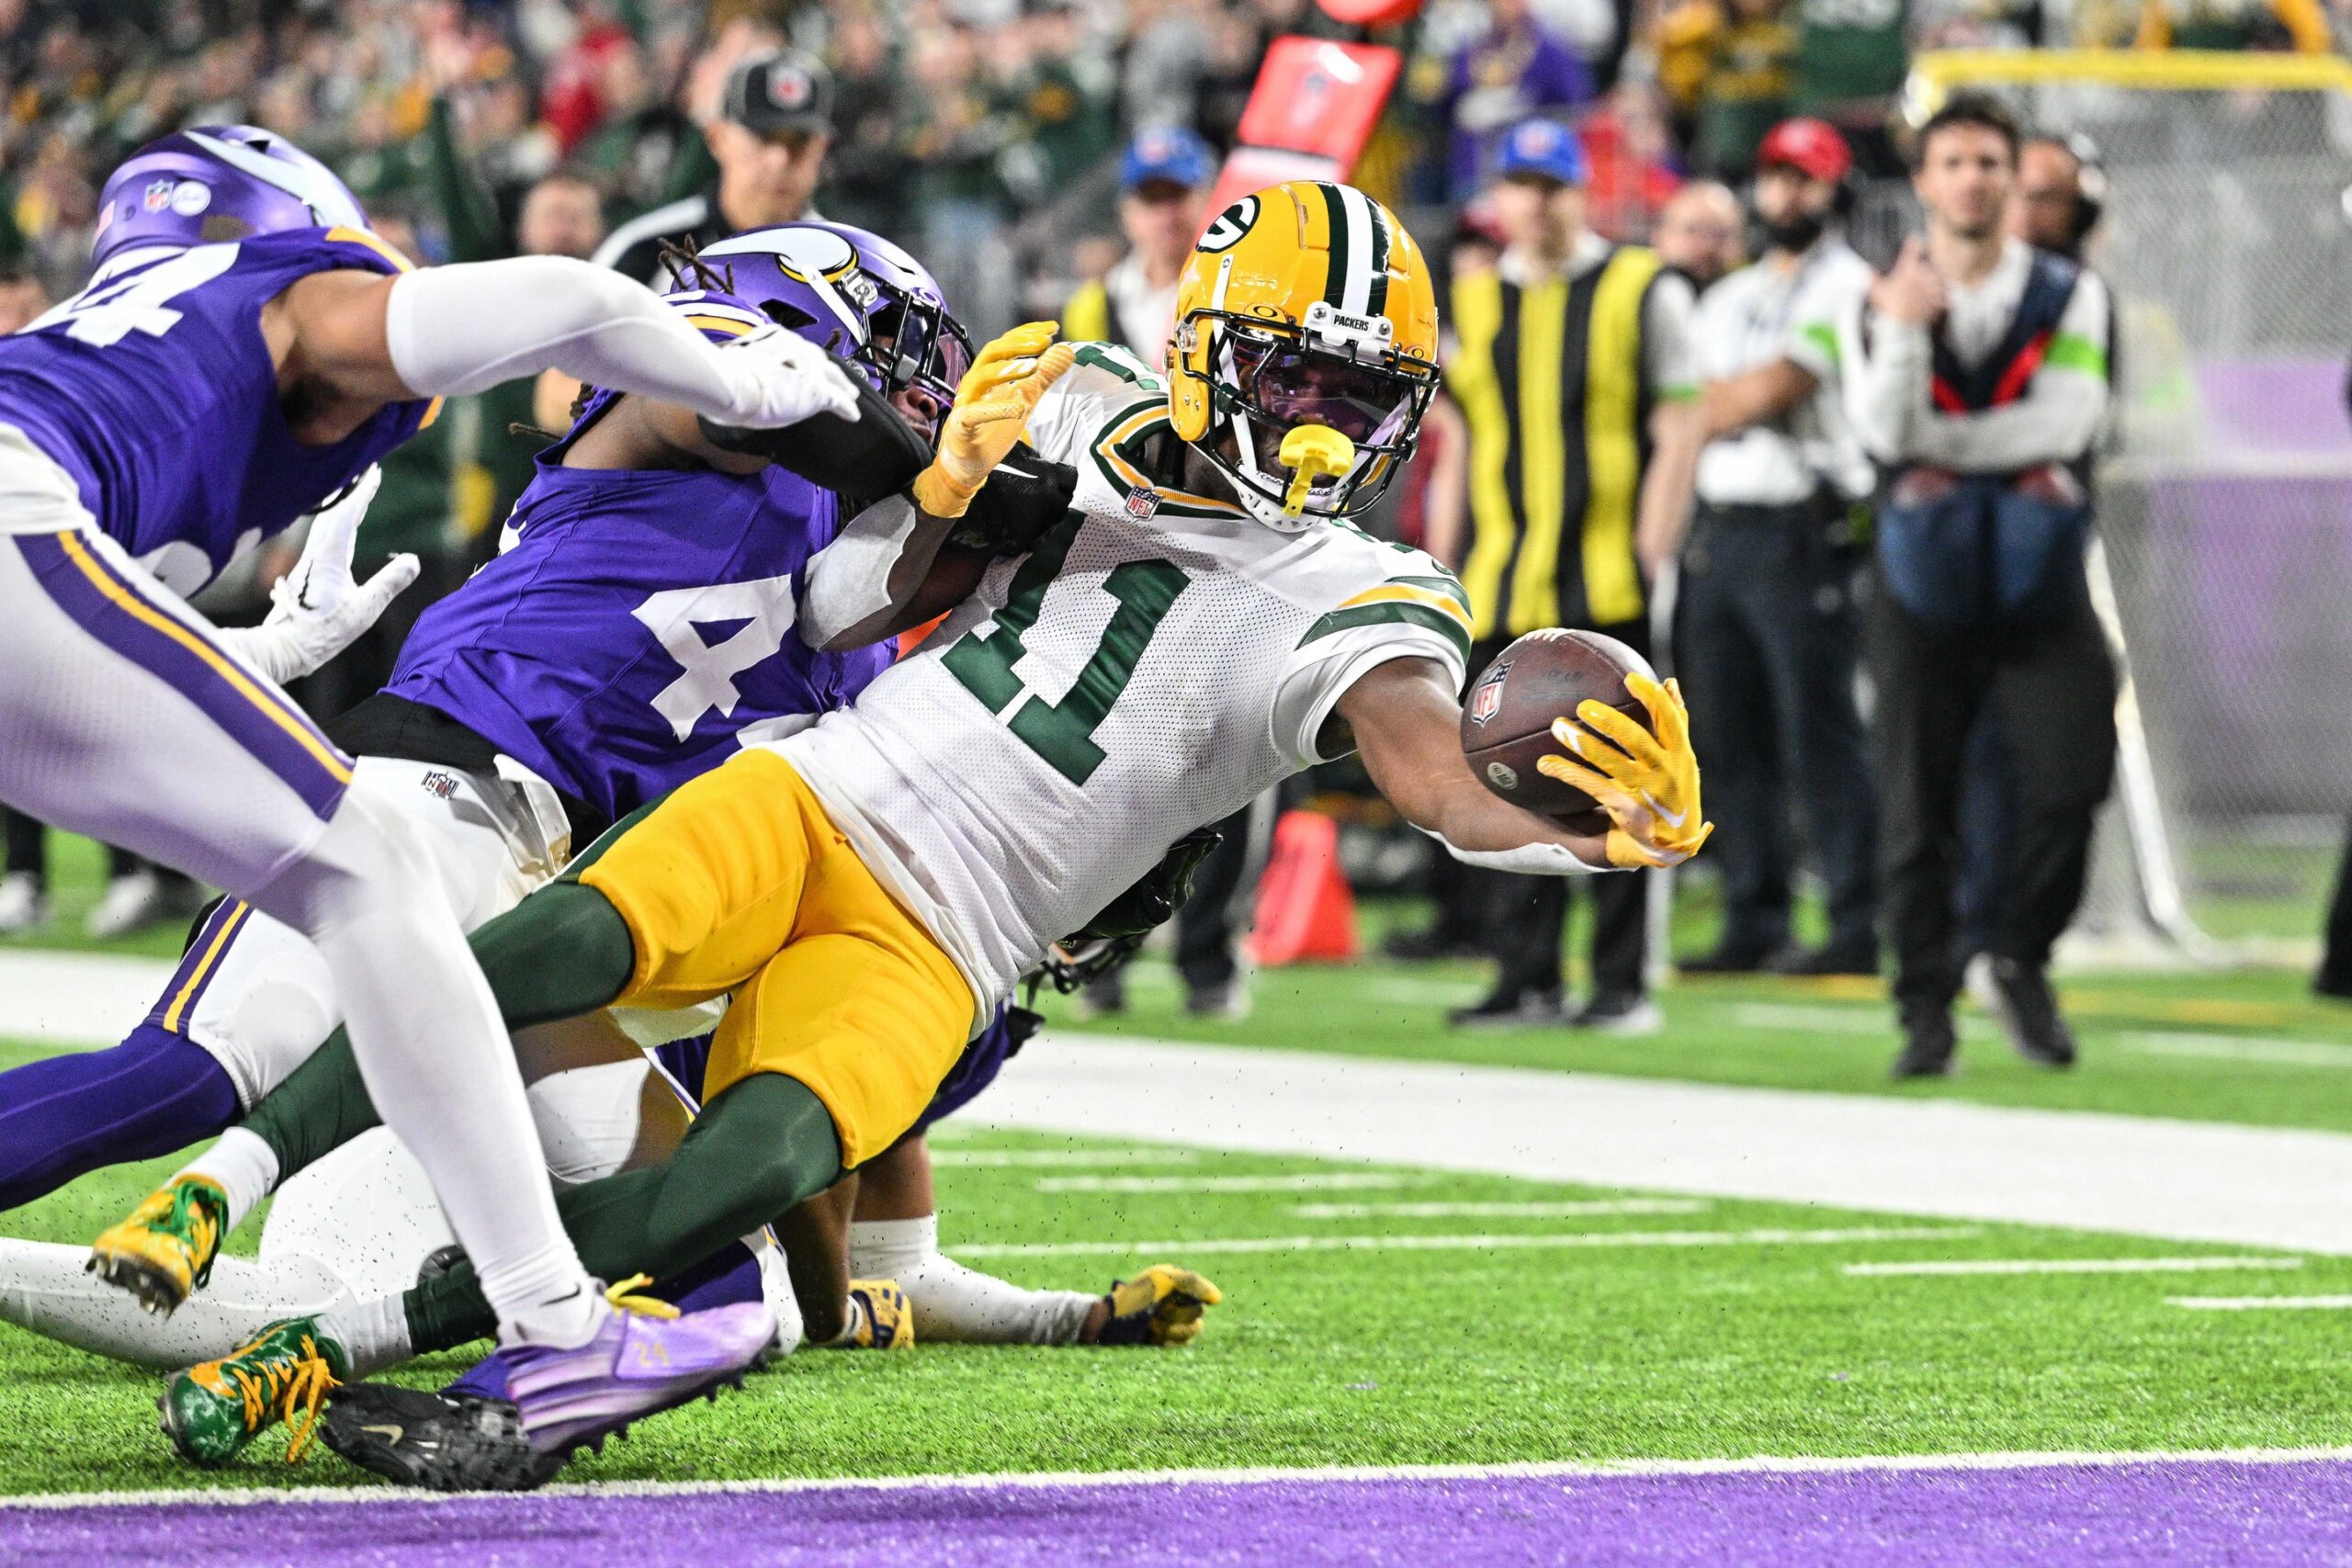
1268 377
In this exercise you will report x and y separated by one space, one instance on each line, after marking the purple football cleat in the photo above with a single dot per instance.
637 1364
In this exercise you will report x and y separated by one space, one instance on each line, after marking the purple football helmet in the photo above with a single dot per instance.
856 294
218 182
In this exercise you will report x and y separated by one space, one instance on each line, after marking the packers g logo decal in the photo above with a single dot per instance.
1225 229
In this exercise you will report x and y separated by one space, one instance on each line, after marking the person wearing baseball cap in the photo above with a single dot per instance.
1764 616
1573 371
775 127
1163 180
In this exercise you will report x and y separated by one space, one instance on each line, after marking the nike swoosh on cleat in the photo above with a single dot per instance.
389 1434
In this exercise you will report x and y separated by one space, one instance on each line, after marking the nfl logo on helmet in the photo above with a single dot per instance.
158 195
1487 700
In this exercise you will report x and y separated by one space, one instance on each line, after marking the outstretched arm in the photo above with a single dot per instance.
1407 725
450 331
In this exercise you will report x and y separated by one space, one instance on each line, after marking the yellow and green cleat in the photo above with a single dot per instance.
283 1373
164 1250
1162 1305
888 1321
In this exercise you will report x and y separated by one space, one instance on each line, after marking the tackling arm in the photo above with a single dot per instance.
450 331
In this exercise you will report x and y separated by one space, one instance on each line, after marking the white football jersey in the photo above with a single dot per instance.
1156 662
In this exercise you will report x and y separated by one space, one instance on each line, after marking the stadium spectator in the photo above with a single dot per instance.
1634 168
1852 57
1764 633
1516 69
1750 53
773 130
1978 377
1163 180
1574 372
2296 25
1702 233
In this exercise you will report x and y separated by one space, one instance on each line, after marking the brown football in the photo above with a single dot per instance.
1507 720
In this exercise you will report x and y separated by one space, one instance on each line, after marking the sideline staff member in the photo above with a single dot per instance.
1764 621
1979 379
1574 372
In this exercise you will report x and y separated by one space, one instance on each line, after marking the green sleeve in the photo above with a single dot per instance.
475 233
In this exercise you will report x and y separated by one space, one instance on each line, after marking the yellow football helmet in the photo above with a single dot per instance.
1304 304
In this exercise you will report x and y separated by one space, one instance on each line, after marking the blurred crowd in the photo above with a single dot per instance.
965 117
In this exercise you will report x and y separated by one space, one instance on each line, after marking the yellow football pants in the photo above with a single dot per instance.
737 884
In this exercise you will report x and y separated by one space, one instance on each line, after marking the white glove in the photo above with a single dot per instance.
317 610
779 377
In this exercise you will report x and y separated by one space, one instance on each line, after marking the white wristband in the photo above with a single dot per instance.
1527 860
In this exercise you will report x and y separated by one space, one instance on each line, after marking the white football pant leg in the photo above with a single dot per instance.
262 1000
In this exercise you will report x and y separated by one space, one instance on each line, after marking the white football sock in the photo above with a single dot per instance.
953 1305
244 1168
437 1060
47 1288
373 1334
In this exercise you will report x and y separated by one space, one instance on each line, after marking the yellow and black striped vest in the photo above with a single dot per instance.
1554 383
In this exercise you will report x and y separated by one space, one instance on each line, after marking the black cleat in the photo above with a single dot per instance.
1834 959
440 1442
1731 958
1525 1010
1929 1041
2020 1000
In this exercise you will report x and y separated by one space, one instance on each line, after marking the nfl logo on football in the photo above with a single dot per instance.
1143 503
1487 700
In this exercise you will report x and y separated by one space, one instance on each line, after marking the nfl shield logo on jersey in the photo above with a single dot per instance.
1143 502
1487 700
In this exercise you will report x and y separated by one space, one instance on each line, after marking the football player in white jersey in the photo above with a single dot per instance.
1202 623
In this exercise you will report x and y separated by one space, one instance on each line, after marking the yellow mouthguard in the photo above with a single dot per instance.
1309 450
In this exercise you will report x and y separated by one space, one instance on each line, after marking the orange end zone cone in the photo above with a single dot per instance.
1306 913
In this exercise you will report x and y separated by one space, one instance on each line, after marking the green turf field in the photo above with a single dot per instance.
1680 1333
1435 1317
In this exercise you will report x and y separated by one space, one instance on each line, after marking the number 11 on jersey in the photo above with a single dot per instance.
1063 733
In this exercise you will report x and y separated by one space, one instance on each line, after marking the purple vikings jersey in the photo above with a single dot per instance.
637 623
154 390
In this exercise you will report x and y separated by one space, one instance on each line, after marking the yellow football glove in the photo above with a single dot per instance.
993 402
1162 1305
1648 783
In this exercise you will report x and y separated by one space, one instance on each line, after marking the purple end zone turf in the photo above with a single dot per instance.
2203 1511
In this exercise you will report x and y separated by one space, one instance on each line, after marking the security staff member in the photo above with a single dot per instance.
773 130
770 140
1573 370
1764 617
1978 379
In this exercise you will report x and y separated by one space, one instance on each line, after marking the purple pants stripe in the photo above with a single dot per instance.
2183 1511
122 614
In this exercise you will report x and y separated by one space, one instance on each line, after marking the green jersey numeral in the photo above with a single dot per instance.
1063 733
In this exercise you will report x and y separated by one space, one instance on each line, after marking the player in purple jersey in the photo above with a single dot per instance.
246 349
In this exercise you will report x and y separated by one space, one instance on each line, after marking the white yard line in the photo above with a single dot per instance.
76 998
1569 1209
1306 1182
2071 1266
2238 1185
1811 1019
363 1496
2262 1303
2239 1048
1760 1237
2214 1182
1065 1158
